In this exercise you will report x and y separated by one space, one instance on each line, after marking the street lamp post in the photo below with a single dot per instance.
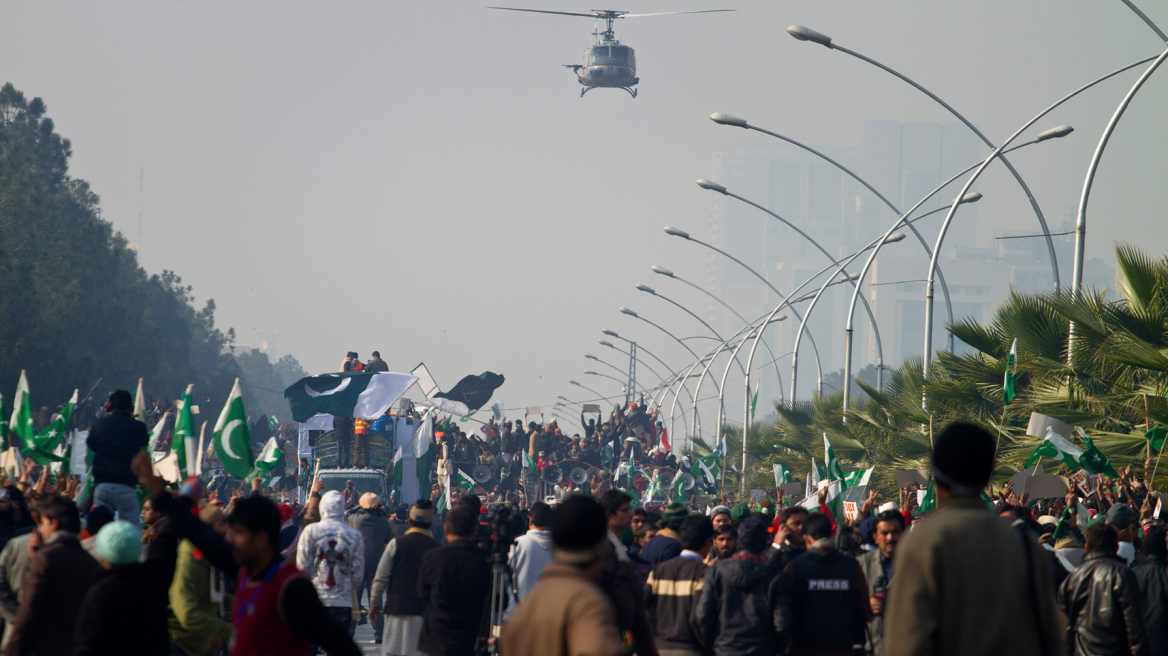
598 394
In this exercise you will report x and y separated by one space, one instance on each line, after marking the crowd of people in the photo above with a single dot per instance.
138 565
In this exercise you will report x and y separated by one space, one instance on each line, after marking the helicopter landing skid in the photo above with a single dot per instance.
631 90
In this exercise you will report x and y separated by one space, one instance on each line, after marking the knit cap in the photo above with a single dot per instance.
119 543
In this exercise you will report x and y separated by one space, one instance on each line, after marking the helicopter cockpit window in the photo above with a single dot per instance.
599 51
620 52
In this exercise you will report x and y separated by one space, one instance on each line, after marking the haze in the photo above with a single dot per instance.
423 178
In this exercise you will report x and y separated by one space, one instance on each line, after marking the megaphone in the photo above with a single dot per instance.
688 480
578 475
552 474
481 474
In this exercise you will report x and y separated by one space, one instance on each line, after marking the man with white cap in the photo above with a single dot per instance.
370 521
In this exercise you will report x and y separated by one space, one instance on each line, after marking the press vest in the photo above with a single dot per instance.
260 628
826 605
401 595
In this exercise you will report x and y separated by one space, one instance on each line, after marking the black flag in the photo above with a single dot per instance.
474 391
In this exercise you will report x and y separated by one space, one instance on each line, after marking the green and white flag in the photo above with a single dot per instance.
267 460
397 467
632 472
707 468
858 478
834 472
1056 447
782 475
654 489
466 482
184 431
443 500
530 463
1155 436
423 440
21 424
156 434
50 438
834 488
1011 371
678 485
350 394
929 501
722 448
606 454
231 437
1093 459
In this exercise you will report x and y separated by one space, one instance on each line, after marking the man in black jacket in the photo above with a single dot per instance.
745 607
674 586
397 580
1101 600
830 594
454 582
369 520
1152 576
788 541
114 440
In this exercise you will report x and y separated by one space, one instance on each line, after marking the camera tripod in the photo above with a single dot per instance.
502 587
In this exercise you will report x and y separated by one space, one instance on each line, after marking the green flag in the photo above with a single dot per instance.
21 423
50 438
707 469
606 454
754 402
834 472
929 503
858 478
1056 447
654 489
1093 459
633 472
231 437
465 482
267 460
1156 436
1008 393
782 475
423 440
443 500
678 485
184 429
350 394
530 463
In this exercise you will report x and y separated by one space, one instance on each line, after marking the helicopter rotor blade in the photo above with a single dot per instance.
542 11
674 13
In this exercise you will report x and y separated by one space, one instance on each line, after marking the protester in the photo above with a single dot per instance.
566 613
129 598
15 559
532 551
150 522
877 567
396 581
114 440
725 543
745 605
15 519
1152 577
368 518
788 543
454 582
333 554
667 543
1101 600
618 508
1121 517
58 579
401 520
830 595
289 531
720 515
194 624
376 365
944 599
673 588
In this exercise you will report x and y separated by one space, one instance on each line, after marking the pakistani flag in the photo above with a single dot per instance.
349 394
530 463
50 438
397 467
1155 437
606 454
1093 459
443 500
1056 447
833 500
423 440
140 404
654 489
474 391
858 478
633 471
834 473
21 425
231 438
678 485
184 431
707 469
1011 371
268 458
465 482
929 502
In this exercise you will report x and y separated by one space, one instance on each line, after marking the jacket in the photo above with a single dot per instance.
397 573
671 593
376 365
872 564
662 547
58 579
455 582
943 599
565 614
193 622
1152 577
830 600
130 600
114 440
530 554
625 590
14 564
745 607
375 534
332 554
1104 610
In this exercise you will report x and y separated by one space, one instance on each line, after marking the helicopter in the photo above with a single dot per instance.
607 63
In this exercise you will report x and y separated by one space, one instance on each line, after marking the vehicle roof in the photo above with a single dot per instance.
351 472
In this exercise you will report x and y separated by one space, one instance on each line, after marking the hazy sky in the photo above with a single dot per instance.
424 179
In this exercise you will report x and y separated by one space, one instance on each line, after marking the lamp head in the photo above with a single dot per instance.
591 357
575 383
972 197
808 34
781 317
610 333
712 186
590 373
894 237
628 312
646 289
605 343
726 119
1054 133
661 270
676 233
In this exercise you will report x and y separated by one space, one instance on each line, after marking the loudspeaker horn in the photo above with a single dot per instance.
688 480
552 474
578 475
481 474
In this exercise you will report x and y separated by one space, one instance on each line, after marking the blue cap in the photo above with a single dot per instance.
119 543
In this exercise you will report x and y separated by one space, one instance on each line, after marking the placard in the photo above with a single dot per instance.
1039 423
851 510
793 488
907 477
1047 486
1019 479
757 495
534 410
590 407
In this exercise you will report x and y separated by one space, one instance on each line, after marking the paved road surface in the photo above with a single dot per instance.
364 639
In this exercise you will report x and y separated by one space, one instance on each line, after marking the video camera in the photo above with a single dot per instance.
506 523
